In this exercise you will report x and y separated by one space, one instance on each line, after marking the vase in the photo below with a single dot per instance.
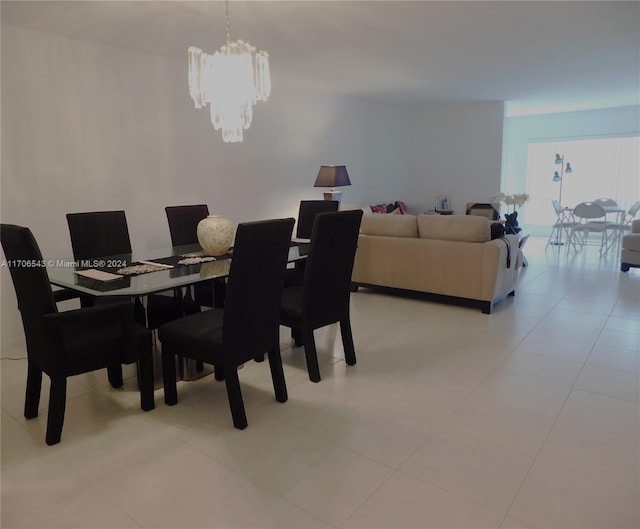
215 235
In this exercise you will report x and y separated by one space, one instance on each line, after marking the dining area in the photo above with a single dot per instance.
601 223
174 311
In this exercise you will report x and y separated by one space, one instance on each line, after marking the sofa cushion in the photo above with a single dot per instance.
464 228
389 225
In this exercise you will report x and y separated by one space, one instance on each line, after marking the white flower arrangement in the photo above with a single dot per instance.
510 200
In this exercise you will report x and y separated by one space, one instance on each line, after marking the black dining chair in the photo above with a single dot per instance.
307 212
63 344
324 295
106 233
248 325
183 224
98 234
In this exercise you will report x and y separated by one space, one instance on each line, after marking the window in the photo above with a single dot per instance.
602 168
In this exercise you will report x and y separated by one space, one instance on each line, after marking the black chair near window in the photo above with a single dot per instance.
63 344
324 295
183 224
248 325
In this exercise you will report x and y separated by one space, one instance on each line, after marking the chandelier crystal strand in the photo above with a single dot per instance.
231 81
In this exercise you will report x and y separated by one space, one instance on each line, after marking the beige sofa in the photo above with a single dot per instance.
630 255
449 257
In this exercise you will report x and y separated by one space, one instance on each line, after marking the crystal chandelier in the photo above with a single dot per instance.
231 81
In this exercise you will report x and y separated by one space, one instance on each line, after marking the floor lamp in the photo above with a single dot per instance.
559 177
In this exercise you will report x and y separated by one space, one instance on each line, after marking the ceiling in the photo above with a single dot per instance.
540 56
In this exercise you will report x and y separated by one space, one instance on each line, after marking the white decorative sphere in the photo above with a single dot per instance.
215 235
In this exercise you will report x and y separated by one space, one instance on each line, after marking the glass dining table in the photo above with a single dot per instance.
140 274
137 275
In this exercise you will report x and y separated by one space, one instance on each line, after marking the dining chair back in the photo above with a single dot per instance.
307 214
483 210
254 288
606 202
325 293
98 234
590 218
633 211
248 325
62 344
588 211
183 227
183 222
106 233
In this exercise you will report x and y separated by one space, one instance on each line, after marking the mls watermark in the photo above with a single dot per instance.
63 263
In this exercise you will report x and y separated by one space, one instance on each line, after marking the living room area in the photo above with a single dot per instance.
523 418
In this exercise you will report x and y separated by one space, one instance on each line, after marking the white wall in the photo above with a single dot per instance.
456 152
87 127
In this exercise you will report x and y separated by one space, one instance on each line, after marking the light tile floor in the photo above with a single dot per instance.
452 418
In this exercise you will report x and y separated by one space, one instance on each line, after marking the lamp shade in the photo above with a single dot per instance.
332 176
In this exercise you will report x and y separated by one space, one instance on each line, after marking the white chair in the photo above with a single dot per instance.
606 202
562 228
618 229
590 218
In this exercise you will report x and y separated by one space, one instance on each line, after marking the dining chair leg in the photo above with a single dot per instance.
115 376
347 342
311 355
169 376
218 373
234 394
296 336
277 375
32 396
57 404
145 382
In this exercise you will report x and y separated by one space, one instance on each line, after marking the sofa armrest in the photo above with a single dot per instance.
499 259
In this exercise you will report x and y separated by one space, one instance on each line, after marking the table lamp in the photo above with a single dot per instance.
332 176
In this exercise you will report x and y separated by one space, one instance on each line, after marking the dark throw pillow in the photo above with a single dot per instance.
511 223
497 230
